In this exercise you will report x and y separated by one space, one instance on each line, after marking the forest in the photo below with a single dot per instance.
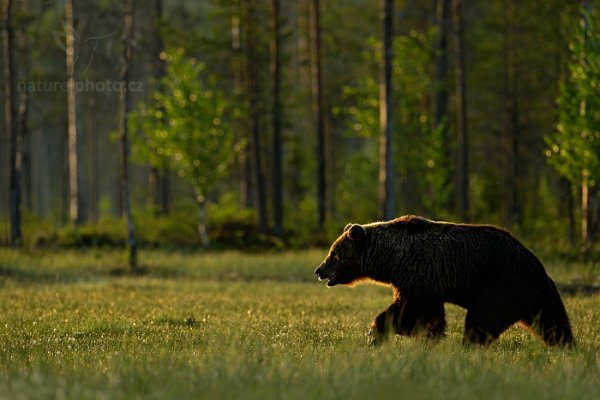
257 123
172 172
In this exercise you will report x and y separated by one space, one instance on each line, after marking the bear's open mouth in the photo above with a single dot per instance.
330 279
325 277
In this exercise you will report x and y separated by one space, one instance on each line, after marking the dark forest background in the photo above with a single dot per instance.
262 123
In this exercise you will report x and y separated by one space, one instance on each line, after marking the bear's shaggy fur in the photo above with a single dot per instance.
481 268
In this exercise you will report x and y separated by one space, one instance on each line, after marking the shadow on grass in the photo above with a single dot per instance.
28 276
153 272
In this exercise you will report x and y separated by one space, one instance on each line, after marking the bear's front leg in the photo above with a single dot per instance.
387 323
409 318
380 328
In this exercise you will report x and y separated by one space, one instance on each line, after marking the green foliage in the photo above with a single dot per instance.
437 187
229 325
574 149
233 227
183 125
229 226
109 231
420 149
358 192
363 115
360 170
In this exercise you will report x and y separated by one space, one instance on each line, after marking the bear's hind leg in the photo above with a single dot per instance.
552 322
545 325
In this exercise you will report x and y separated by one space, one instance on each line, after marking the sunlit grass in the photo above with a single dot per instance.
231 325
75 265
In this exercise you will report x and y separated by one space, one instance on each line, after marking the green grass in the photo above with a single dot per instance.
232 325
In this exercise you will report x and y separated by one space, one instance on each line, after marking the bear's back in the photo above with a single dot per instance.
455 248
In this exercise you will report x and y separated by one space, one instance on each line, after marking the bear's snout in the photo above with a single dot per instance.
319 272
324 273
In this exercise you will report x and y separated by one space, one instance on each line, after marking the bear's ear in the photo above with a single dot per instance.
347 227
356 233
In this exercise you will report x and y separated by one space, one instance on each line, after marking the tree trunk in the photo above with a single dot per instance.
567 206
93 160
24 152
589 202
441 64
24 144
277 151
592 215
386 164
165 191
159 63
511 125
584 211
332 176
154 182
159 176
124 108
440 117
318 105
202 232
10 114
243 161
74 210
589 213
64 181
246 185
461 112
254 94
159 188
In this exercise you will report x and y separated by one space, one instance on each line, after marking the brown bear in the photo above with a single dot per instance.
481 268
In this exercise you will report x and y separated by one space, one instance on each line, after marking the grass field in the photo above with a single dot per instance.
230 325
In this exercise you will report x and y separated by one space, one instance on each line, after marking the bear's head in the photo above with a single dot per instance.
343 263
